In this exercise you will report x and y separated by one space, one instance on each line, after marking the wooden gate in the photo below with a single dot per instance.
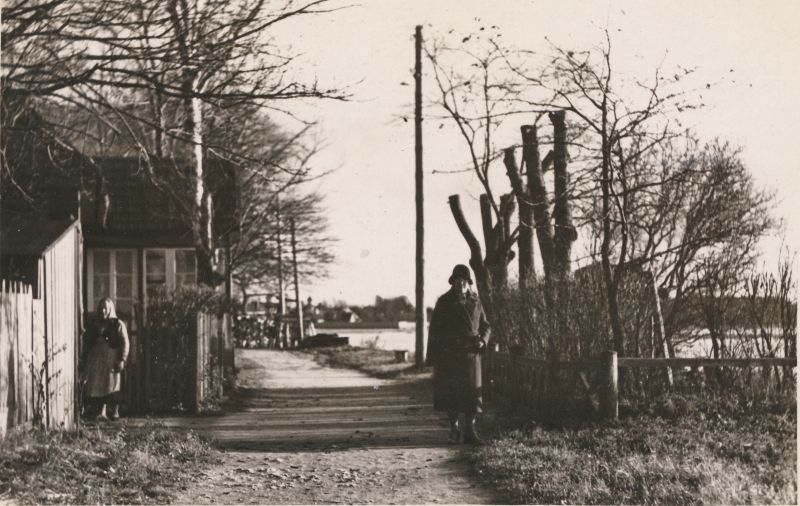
185 369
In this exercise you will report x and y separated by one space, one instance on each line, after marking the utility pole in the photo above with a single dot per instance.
297 284
281 289
419 356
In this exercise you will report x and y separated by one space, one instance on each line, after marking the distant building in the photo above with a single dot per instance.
349 315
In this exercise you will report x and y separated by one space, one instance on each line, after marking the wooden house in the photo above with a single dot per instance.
138 242
133 241
137 239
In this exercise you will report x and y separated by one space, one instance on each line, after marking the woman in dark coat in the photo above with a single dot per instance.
457 338
105 349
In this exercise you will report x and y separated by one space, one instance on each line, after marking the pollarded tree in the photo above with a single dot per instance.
472 91
618 125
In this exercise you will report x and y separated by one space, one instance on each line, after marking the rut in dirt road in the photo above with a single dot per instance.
301 433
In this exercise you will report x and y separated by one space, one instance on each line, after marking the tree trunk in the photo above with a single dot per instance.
201 213
298 303
538 197
658 324
612 287
281 284
526 225
202 203
564 234
483 277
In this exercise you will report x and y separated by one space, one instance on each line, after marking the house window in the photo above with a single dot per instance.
155 277
185 268
112 274
168 269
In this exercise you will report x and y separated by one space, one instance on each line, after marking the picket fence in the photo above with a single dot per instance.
37 370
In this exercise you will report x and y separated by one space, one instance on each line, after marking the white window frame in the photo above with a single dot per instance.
112 271
169 256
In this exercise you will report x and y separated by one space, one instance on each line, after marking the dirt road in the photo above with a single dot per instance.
304 434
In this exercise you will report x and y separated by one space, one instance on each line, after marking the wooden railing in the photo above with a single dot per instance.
535 383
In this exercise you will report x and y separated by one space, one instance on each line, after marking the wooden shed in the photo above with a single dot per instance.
41 325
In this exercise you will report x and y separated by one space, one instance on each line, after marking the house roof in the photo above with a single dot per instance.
125 208
25 235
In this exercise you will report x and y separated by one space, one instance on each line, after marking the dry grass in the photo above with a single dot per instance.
93 466
698 458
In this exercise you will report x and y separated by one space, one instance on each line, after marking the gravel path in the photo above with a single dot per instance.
305 434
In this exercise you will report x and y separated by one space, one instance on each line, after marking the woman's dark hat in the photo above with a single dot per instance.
460 271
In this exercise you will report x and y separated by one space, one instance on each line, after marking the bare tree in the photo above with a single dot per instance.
473 98
618 127
255 260
188 63
696 215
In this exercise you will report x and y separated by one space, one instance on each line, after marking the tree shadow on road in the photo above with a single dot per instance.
326 419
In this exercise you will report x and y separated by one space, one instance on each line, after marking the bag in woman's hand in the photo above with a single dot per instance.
112 334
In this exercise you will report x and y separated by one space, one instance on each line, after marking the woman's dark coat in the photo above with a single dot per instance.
457 338
105 344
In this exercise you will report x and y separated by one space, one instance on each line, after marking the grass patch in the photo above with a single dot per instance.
376 362
94 466
693 459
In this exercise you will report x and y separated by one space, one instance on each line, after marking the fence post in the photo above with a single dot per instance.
516 352
552 398
198 376
609 399
491 371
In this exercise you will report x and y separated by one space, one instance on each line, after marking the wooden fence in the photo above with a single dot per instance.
37 369
179 370
212 335
539 383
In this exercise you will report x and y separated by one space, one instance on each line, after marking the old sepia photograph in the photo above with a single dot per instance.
399 252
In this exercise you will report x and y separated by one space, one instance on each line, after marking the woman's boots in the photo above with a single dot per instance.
455 429
471 435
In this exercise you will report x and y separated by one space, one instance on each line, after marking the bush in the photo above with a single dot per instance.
577 327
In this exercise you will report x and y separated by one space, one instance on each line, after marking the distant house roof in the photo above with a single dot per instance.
25 235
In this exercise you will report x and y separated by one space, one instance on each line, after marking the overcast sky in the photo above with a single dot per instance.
370 49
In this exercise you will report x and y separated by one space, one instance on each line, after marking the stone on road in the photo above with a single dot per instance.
302 433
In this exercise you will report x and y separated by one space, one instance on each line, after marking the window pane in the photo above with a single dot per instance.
124 262
101 262
124 286
156 266
156 273
184 261
124 308
101 286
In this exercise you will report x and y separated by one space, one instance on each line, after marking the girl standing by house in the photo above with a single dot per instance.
105 350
